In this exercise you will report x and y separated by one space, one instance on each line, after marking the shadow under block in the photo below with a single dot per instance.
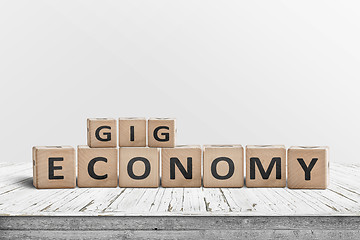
181 166
97 167
161 132
132 132
54 167
308 167
101 132
223 166
265 166
139 167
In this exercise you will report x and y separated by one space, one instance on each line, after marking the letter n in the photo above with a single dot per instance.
186 173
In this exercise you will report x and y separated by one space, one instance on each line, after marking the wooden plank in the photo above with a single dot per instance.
186 234
240 199
19 197
193 200
215 200
158 200
83 223
99 202
171 201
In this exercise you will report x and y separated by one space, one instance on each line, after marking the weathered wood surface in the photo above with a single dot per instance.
177 213
184 234
180 227
18 197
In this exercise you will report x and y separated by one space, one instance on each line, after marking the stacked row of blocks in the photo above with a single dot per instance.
143 143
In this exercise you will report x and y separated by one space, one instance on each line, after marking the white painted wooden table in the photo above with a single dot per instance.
151 213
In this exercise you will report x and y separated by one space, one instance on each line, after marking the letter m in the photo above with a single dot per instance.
265 174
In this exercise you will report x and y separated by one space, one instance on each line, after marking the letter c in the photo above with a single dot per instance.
91 168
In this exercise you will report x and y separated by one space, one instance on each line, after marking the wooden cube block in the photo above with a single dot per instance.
97 167
265 166
308 167
139 167
181 166
223 166
132 132
101 132
54 167
161 132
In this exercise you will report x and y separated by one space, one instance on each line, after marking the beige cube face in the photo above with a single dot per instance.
265 166
102 132
54 167
161 132
181 166
223 166
308 167
139 167
97 167
132 132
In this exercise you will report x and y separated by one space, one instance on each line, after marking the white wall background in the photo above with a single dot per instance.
248 72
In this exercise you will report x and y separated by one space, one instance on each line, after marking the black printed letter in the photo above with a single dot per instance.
52 168
107 134
306 169
166 135
187 174
231 168
265 175
131 164
132 137
91 168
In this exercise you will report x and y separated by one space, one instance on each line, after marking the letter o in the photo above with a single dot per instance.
131 165
231 168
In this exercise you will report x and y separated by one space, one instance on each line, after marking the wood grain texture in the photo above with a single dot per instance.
266 154
149 175
181 227
18 197
54 167
186 234
83 223
234 154
104 169
101 132
189 157
132 132
318 176
161 132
